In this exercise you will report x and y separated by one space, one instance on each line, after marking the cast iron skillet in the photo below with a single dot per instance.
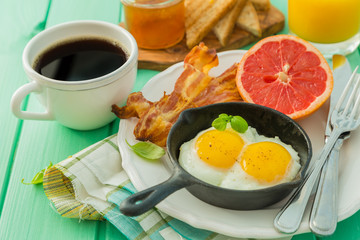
267 121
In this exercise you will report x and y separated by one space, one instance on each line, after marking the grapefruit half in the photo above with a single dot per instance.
285 73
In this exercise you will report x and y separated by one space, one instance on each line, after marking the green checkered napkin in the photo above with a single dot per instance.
92 183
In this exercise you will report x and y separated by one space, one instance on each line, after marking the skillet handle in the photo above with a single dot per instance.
143 201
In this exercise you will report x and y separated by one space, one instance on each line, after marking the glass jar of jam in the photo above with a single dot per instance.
155 24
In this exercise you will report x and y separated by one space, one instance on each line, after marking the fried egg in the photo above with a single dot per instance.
243 161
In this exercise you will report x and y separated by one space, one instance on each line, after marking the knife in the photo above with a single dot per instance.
324 213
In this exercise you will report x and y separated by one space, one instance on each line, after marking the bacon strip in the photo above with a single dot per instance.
194 88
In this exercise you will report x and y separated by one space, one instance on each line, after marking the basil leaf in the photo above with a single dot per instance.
219 124
147 150
225 117
239 124
39 177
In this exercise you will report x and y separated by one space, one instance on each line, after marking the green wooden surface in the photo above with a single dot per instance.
28 146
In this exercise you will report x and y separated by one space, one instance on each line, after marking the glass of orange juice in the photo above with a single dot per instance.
155 24
331 25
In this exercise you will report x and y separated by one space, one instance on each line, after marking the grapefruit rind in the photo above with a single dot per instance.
316 101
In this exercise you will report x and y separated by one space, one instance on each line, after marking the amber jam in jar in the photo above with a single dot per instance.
155 24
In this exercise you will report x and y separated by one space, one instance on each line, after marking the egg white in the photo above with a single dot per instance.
191 162
238 179
234 177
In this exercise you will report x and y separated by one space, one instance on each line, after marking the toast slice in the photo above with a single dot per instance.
201 16
225 26
261 5
248 20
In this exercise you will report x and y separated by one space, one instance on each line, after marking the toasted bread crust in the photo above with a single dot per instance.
248 20
261 5
225 26
201 16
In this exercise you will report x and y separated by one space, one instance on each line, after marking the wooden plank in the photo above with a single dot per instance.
67 10
27 212
16 29
27 206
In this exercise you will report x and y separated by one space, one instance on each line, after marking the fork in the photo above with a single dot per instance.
343 119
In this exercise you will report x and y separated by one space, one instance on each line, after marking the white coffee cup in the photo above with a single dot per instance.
81 105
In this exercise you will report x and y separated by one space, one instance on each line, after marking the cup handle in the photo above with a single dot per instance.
19 96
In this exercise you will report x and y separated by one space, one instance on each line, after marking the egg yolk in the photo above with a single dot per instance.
265 161
219 148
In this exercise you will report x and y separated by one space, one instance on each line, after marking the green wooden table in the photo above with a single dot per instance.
28 146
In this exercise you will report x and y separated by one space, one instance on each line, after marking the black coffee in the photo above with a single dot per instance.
80 59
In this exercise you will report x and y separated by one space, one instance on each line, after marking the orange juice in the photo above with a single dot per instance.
155 24
324 21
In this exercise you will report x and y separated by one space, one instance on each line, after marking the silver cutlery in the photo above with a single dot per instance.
343 119
324 212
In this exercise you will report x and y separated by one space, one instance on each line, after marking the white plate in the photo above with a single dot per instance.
246 224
